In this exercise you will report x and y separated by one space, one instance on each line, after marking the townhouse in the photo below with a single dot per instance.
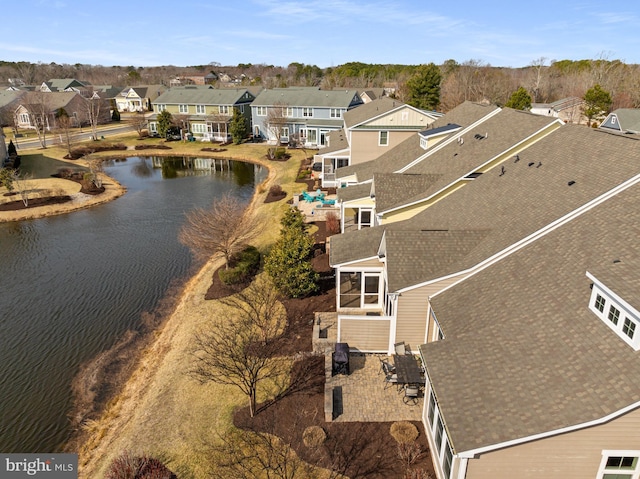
369 131
302 116
138 98
44 109
518 289
205 111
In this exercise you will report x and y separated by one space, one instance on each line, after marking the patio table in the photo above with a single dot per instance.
407 369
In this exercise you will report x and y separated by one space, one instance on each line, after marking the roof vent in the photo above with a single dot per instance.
571 183
501 170
517 159
539 164
531 164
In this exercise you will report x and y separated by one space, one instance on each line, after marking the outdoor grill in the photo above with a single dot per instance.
340 359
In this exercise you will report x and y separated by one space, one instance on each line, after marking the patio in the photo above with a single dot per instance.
316 211
360 396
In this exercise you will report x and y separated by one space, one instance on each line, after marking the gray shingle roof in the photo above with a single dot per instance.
354 192
203 96
393 188
628 119
464 114
355 245
309 97
337 141
370 110
522 353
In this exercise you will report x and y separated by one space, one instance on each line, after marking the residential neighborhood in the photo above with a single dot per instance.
494 249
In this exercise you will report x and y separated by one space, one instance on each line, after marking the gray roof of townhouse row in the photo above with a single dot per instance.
532 193
370 110
456 160
465 114
355 245
393 188
306 97
522 353
337 142
203 96
354 192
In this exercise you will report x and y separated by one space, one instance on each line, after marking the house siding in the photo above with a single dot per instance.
366 335
413 326
574 455
364 144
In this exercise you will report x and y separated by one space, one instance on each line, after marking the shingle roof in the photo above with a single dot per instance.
522 353
54 100
409 150
628 118
525 198
355 245
203 96
336 140
309 97
9 97
354 192
370 110
393 188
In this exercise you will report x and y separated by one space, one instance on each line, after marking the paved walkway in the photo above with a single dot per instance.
364 397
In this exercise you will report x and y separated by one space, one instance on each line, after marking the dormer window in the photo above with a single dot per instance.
615 312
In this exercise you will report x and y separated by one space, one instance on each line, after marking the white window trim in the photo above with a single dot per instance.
183 108
431 433
201 110
261 111
606 454
288 112
366 272
307 112
626 312
386 143
223 109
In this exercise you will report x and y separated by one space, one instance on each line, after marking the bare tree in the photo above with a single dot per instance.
538 68
22 185
257 455
38 109
139 123
277 120
93 107
181 120
260 304
230 351
224 228
64 131
96 168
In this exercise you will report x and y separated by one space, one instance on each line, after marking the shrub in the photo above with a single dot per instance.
244 267
304 174
126 466
65 173
404 432
314 436
115 116
332 223
410 452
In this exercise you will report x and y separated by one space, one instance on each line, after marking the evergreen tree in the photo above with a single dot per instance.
115 116
238 127
165 120
423 88
289 261
11 149
597 103
519 100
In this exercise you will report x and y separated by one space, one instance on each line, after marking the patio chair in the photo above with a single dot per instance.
327 202
307 197
391 379
386 367
400 348
411 393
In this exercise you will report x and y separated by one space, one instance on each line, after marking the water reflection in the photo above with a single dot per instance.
74 284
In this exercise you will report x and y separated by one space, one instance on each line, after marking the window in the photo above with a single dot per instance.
335 113
24 118
383 138
432 408
261 110
447 459
307 112
312 136
161 107
363 218
223 109
200 109
183 108
198 128
619 465
288 112
241 108
360 289
614 314
600 302
629 327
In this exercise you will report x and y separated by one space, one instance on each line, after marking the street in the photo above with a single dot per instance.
85 134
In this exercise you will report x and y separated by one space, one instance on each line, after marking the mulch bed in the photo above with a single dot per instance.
153 147
358 450
213 150
33 203
272 198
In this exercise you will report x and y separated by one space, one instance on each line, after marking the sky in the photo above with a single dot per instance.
318 32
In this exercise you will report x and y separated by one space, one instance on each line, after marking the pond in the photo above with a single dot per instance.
73 284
